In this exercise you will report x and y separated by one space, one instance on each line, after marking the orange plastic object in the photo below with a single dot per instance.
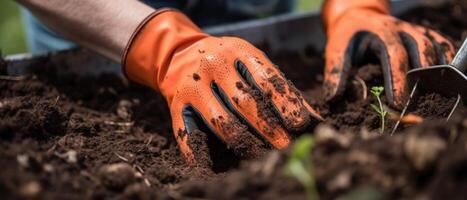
224 82
357 27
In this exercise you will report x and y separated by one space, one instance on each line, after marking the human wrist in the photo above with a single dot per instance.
152 45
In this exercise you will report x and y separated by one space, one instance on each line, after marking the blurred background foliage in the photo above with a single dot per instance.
308 5
12 35
12 38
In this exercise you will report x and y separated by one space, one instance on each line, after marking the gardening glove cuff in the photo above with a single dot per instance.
150 49
333 10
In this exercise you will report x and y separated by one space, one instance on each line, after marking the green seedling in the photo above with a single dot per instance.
377 91
299 165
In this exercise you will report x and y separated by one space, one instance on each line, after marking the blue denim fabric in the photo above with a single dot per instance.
41 39
203 12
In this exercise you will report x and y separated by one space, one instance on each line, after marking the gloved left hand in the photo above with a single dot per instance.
222 83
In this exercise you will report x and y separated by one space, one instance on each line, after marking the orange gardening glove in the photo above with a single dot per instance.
357 27
221 83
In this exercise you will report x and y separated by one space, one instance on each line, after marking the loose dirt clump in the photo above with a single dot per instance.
198 142
430 105
40 120
117 176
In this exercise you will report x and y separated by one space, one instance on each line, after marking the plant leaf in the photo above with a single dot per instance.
302 147
299 165
385 113
377 90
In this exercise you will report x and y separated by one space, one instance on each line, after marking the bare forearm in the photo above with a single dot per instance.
100 25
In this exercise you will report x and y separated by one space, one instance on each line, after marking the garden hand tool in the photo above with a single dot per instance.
447 80
359 28
222 85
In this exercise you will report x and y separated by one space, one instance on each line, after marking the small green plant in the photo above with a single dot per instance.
377 91
300 167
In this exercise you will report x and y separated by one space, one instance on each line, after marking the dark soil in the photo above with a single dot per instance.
104 138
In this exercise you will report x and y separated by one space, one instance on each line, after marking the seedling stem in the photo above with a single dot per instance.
377 91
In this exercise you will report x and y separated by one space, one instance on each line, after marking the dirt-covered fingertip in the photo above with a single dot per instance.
307 121
331 90
398 100
314 114
448 51
181 135
297 120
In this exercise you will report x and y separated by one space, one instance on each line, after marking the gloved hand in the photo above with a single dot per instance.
358 27
222 83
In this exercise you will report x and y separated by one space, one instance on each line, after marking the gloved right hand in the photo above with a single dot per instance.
356 28
222 83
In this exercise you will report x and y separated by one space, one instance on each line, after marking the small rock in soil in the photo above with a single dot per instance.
327 134
30 190
124 109
423 150
117 176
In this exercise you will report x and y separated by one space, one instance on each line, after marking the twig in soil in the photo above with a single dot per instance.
12 78
412 119
121 131
4 103
405 108
146 181
376 91
132 139
409 119
149 141
71 156
139 169
56 100
121 157
364 87
124 126
455 107
112 123
51 149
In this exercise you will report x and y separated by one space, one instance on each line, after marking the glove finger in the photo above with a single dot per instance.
258 71
287 101
445 50
420 49
252 108
395 62
339 53
225 125
181 133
